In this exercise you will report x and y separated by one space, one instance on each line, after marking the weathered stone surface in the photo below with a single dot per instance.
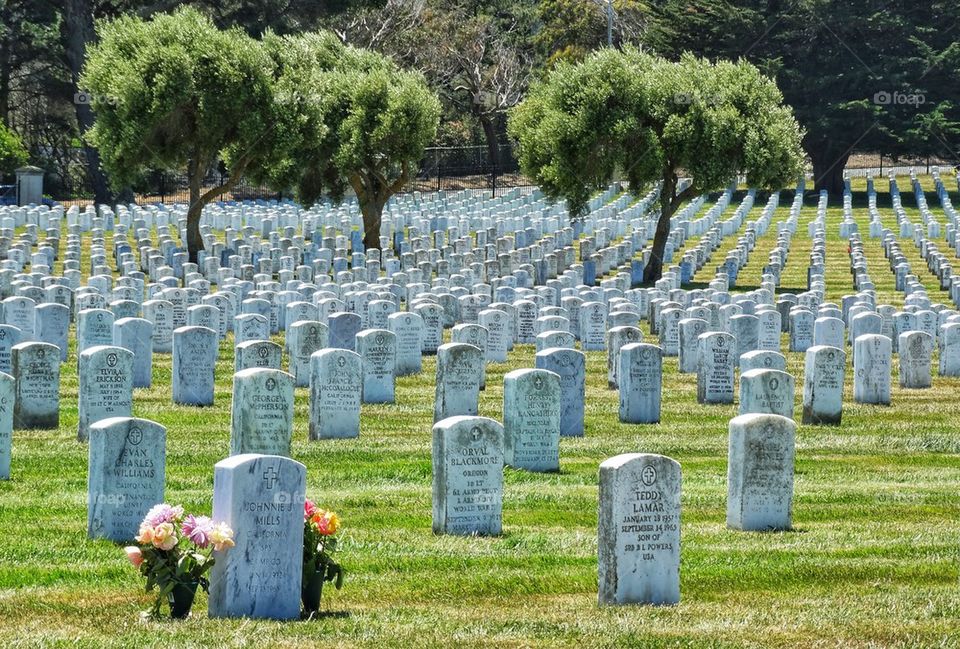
467 476
639 530
760 463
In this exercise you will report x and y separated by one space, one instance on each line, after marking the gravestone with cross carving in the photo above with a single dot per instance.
262 412
639 530
760 460
766 391
304 337
531 419
459 368
336 389
127 460
871 369
194 362
641 383
378 354
106 386
36 369
570 366
715 367
823 375
261 498
467 476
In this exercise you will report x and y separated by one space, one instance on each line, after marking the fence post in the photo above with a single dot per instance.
437 158
163 193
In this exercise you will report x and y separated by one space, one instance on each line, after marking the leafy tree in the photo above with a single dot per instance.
357 120
12 152
654 120
570 29
177 92
869 76
257 17
29 50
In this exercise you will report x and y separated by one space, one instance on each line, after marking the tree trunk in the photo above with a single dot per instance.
372 210
493 147
78 31
828 166
654 268
194 240
5 55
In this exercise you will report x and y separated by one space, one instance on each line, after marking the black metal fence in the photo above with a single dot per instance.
442 168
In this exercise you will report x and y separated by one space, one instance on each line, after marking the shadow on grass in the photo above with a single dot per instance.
324 615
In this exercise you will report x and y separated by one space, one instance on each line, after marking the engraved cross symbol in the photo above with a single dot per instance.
648 476
476 434
270 475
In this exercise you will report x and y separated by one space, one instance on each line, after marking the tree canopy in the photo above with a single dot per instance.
12 152
649 119
355 118
300 112
860 76
175 92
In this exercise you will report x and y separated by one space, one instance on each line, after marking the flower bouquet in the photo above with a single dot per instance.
174 553
319 542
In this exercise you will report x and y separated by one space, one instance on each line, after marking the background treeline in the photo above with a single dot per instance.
861 77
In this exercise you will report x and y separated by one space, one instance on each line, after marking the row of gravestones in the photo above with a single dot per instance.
260 497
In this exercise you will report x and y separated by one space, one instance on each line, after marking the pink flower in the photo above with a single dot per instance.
163 513
308 510
198 529
134 554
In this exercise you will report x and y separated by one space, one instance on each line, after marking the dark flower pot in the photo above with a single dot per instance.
181 599
311 590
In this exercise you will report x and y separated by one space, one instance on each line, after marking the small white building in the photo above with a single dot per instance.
29 185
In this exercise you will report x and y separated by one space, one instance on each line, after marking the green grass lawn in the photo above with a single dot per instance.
872 560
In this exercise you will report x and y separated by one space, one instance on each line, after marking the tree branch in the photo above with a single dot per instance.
235 174
690 192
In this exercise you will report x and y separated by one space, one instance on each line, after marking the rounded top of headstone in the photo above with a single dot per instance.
531 375
763 420
624 459
111 353
264 372
236 461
